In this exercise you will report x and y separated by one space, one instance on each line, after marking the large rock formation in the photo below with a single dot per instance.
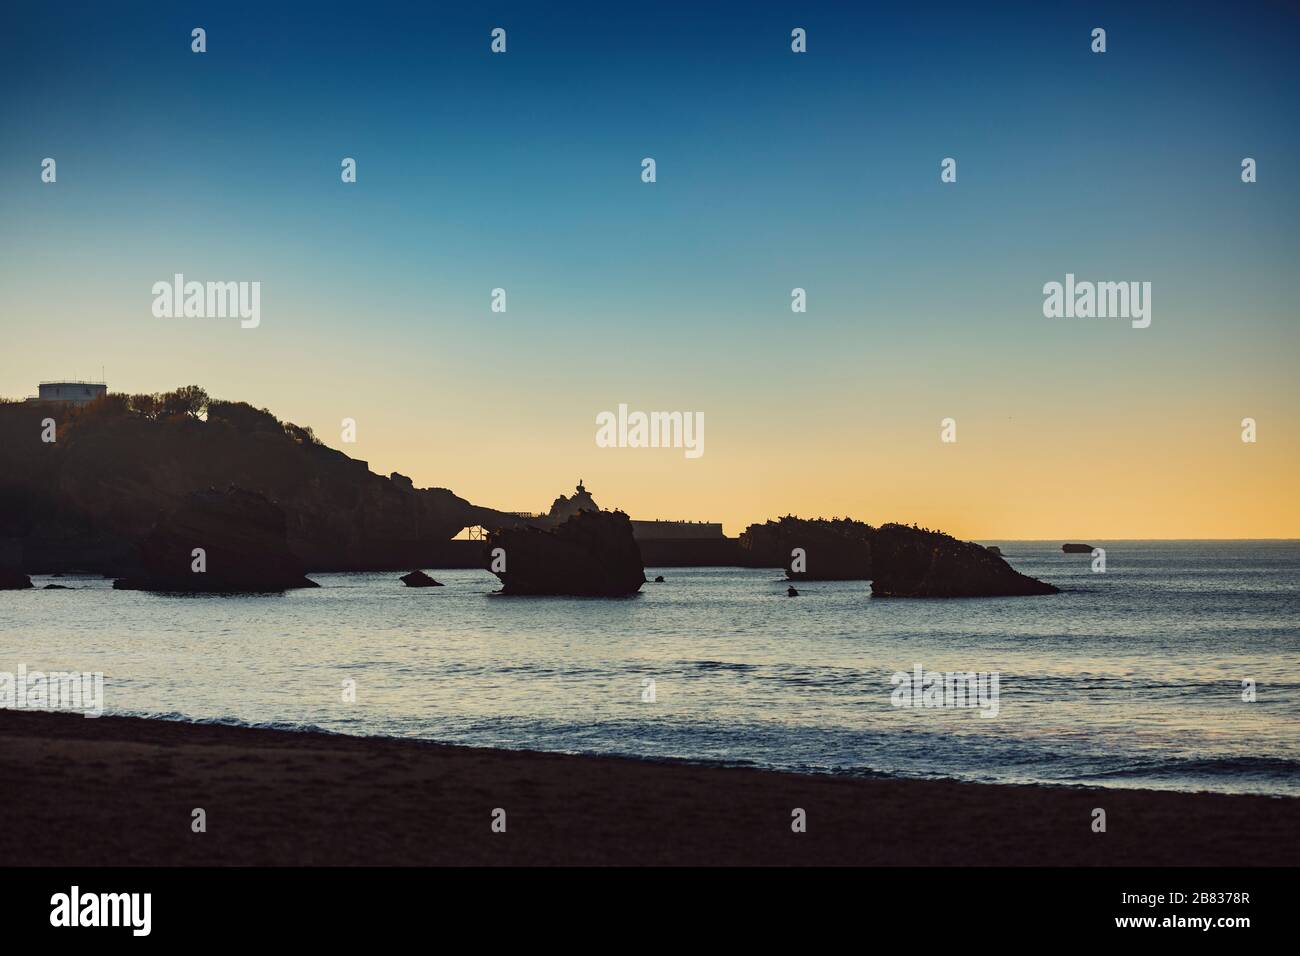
834 550
83 501
593 554
243 545
900 561
914 562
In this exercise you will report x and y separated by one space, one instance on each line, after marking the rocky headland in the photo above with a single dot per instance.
123 487
118 465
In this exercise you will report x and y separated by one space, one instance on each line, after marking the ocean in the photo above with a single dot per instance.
1129 678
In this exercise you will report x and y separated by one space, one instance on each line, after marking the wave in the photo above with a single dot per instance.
177 717
1270 767
717 666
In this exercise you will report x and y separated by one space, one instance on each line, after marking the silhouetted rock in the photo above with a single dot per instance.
242 536
564 507
592 553
764 546
993 549
900 561
1077 548
791 592
832 550
14 580
659 579
418 579
86 500
57 587
914 562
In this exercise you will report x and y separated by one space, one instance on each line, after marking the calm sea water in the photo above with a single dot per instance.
1129 678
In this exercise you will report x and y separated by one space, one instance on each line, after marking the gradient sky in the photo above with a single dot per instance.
775 170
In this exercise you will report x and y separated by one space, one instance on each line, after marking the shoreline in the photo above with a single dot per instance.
122 791
865 773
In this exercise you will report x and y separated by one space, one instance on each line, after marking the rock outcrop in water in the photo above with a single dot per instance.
834 550
243 545
1077 548
120 463
591 554
918 563
900 561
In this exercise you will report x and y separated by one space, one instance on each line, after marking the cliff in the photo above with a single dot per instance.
118 465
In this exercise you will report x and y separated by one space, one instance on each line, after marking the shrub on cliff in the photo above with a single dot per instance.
243 417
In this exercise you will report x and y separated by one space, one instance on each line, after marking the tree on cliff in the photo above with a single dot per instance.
189 400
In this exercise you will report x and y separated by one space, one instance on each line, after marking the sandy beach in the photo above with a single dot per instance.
121 791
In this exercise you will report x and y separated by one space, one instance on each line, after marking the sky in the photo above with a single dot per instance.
774 171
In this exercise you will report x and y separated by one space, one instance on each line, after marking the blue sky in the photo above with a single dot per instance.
775 170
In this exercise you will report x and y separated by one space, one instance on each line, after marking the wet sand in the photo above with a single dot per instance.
121 791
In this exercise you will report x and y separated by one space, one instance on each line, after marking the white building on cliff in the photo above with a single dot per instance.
72 392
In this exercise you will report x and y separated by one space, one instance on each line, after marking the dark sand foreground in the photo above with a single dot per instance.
116 790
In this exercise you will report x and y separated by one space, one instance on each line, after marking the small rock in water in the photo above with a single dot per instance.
418 579
659 579
791 592
55 587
